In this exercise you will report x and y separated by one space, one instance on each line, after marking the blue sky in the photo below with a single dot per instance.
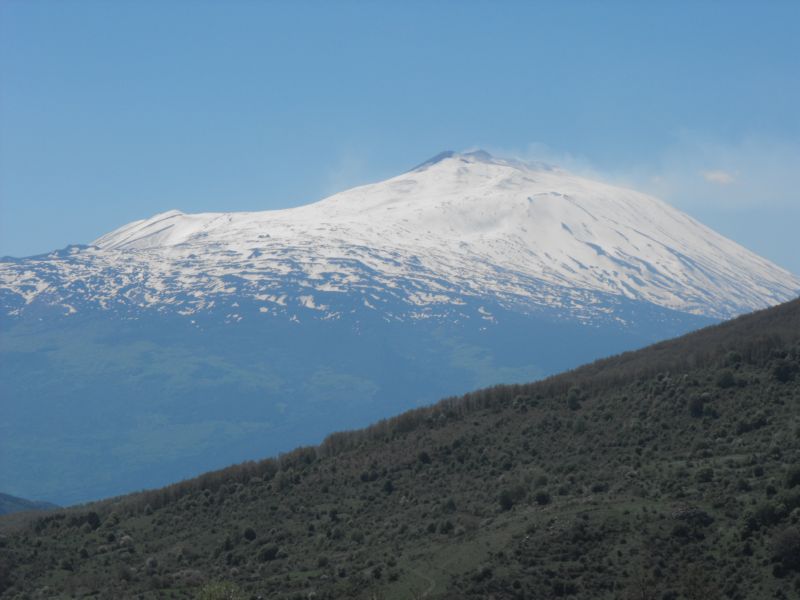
113 111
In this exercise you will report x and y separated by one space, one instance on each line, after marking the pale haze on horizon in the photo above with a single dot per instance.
114 112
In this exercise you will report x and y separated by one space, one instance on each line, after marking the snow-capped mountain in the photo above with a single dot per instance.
459 226
182 342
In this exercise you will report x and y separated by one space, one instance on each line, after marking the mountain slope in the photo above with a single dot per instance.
186 342
459 226
10 504
669 472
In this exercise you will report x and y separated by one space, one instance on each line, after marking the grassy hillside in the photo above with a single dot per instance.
668 473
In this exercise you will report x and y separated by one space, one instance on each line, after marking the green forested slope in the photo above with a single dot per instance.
672 472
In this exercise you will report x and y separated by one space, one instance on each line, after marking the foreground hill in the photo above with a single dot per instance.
671 472
185 342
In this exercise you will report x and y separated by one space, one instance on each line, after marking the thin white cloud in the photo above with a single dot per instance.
718 176
698 171
543 153
349 169
763 169
747 189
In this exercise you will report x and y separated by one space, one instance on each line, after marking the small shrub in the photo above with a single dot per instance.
680 530
725 379
510 496
733 359
705 475
696 406
765 515
482 574
268 553
223 590
793 477
506 500
786 548
564 588
784 371
93 519
574 398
